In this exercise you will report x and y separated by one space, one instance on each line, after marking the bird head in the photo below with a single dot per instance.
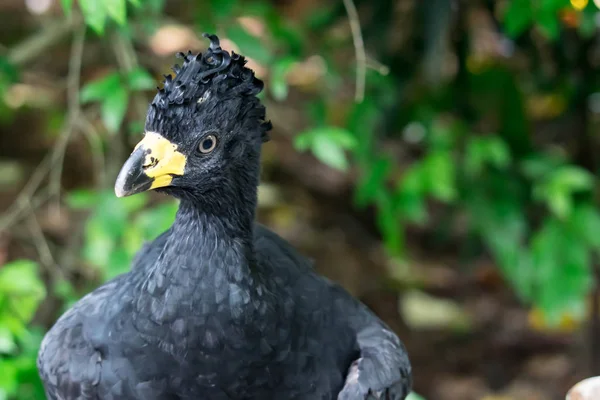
203 130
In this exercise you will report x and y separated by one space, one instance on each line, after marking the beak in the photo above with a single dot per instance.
153 163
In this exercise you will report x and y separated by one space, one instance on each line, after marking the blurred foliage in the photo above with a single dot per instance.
469 136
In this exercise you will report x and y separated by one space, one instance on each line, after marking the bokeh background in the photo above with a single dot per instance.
438 158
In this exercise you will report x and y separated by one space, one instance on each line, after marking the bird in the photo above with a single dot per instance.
218 306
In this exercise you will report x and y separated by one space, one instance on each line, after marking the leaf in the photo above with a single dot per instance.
156 220
100 89
223 8
548 23
117 10
98 244
388 222
441 175
558 187
140 79
563 274
372 181
113 109
585 222
19 278
279 85
94 14
8 378
81 199
249 44
7 341
414 396
340 136
21 291
118 263
65 290
133 203
574 178
67 6
488 150
422 311
518 17
327 144
330 152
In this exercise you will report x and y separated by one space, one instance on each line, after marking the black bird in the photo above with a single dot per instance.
217 307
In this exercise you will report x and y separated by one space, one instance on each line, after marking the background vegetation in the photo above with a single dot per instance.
439 158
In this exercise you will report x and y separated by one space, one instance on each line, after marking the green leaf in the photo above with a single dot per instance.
81 199
99 243
117 10
414 396
562 265
518 17
249 44
559 203
487 150
223 8
8 378
100 89
330 152
441 175
574 178
133 203
118 263
327 144
67 6
136 3
140 79
585 222
279 86
21 291
94 14
372 181
558 187
340 136
389 224
65 290
156 220
549 24
587 26
19 278
7 341
411 205
113 109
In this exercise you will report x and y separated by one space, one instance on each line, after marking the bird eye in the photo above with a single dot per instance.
208 144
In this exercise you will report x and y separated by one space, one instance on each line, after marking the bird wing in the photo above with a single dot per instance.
69 365
383 369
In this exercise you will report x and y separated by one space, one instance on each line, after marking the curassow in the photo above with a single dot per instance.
217 307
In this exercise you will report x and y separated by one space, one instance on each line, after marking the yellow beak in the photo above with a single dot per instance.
153 163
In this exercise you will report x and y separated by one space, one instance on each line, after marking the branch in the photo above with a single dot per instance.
127 60
95 142
359 49
73 113
24 199
37 44
39 240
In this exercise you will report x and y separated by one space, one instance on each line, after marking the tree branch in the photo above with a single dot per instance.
359 49
37 44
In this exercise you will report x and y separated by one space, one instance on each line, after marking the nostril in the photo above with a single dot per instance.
150 163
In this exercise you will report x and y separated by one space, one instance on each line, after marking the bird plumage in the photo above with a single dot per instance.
217 307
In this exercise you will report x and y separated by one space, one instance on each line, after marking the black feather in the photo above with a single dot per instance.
219 307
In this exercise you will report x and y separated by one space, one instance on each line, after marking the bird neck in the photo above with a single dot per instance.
212 237
206 264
